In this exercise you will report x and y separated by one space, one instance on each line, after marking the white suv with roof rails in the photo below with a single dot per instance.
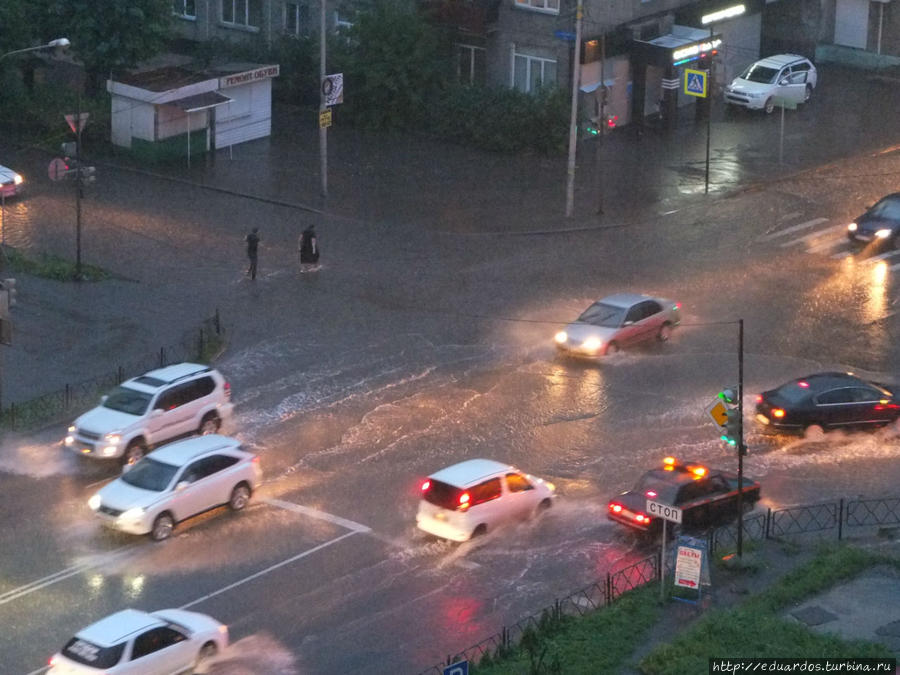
788 76
151 409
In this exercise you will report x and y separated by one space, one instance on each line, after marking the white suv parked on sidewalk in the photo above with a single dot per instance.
151 409
784 75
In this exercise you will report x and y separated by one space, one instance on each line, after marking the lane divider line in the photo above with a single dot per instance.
270 568
320 515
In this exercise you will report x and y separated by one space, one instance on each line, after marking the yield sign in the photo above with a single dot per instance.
82 120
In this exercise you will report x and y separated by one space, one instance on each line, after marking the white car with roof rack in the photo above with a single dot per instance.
151 409
473 497
141 643
176 482
788 76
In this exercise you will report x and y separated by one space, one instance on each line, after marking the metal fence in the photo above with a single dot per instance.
773 524
593 596
56 405
833 517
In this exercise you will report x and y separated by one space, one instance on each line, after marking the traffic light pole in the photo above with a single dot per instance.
741 448
78 189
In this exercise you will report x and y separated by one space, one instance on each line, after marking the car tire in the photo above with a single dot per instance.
207 651
479 531
543 506
134 452
162 527
814 432
240 496
209 424
769 105
612 348
807 94
665 332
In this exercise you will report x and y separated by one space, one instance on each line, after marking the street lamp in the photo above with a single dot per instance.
58 44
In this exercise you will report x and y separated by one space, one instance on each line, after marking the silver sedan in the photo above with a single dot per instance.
617 321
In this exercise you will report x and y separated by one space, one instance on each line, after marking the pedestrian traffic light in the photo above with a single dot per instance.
593 126
732 434
86 174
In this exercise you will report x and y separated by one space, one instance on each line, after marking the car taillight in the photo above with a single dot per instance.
886 406
464 500
615 508
426 485
51 661
803 384
641 518
255 459
228 391
759 398
777 412
650 493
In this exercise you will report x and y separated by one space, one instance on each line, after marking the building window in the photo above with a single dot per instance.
532 72
241 12
543 5
470 64
296 18
186 9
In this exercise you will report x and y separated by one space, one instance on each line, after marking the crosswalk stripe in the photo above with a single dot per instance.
813 235
841 255
828 243
876 258
794 228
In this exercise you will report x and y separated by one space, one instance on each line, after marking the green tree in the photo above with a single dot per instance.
16 31
109 36
393 60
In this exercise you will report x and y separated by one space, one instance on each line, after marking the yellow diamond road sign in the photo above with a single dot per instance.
695 82
325 118
719 412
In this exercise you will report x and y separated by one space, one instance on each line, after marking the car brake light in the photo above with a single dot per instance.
255 459
884 405
228 391
51 661
641 518
426 485
803 384
615 508
464 500
650 493
777 412
759 398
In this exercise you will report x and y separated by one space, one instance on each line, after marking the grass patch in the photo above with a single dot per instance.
599 642
756 629
49 266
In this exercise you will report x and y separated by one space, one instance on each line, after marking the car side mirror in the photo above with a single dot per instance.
629 322
156 412
181 486
784 81
103 398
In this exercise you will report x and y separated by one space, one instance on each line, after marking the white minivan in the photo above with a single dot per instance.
473 497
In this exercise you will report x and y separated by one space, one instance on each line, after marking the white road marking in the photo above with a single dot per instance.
813 235
830 243
270 568
875 258
467 564
793 228
321 515
790 216
50 579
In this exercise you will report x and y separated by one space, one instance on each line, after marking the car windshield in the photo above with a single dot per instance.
89 654
888 208
148 474
652 482
128 401
600 314
758 73
442 494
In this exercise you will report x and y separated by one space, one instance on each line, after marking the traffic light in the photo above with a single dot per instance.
593 126
732 434
611 121
728 395
86 174
68 148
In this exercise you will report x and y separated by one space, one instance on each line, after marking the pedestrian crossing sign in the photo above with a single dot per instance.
695 82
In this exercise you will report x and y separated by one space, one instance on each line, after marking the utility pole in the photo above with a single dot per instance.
323 131
78 187
741 448
573 119
598 150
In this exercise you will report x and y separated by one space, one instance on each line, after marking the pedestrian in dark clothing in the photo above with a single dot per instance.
309 247
252 246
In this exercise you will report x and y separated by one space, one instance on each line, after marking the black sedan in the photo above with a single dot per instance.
879 224
706 497
823 401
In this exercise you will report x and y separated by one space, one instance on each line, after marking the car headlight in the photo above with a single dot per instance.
18 180
883 233
550 486
561 337
113 437
852 227
592 343
131 514
94 502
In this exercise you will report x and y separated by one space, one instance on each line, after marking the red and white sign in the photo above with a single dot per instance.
57 169
248 76
688 563
82 120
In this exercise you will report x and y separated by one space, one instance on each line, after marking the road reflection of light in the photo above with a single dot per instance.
558 380
876 299
96 583
134 586
460 616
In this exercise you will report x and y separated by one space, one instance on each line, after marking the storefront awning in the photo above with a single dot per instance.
589 87
204 101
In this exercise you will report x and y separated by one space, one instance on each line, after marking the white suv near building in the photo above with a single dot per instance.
784 75
151 409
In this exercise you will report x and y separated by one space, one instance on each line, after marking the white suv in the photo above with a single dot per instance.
176 482
784 75
151 409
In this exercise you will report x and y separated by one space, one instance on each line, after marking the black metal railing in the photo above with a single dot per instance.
56 405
